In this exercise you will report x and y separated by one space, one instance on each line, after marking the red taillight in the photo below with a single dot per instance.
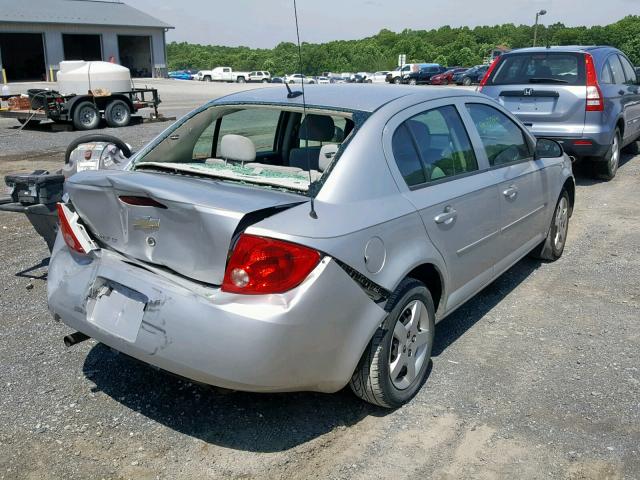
582 142
70 238
260 265
492 67
595 101
141 201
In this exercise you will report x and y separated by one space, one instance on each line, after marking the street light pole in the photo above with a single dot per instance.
535 28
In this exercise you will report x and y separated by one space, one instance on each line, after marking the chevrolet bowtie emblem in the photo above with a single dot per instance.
146 223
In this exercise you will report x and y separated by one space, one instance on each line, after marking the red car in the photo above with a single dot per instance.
447 77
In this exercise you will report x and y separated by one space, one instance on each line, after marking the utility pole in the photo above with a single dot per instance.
535 28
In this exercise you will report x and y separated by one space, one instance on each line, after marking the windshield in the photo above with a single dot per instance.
543 67
268 146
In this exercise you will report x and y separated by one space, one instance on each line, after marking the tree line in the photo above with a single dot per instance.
461 46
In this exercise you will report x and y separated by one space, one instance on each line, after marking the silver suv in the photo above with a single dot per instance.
586 98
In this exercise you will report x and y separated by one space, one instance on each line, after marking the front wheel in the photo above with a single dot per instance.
86 116
207 78
413 82
397 81
552 247
466 81
264 80
445 82
395 363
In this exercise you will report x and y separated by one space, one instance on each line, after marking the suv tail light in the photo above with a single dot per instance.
492 67
74 234
260 265
595 100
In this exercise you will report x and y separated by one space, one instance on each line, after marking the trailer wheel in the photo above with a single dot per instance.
86 116
117 114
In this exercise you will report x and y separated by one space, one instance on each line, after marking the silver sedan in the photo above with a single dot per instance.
263 243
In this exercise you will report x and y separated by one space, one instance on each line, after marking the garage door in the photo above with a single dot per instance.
135 54
23 56
82 47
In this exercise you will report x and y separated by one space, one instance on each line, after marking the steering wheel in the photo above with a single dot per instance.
96 137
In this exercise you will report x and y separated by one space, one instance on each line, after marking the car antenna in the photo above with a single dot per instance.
312 213
291 94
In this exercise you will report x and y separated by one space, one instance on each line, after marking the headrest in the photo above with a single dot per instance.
327 152
420 131
317 128
237 148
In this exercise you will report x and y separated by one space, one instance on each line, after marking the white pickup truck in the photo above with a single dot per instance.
222 74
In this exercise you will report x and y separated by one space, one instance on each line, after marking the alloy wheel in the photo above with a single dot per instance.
409 345
561 222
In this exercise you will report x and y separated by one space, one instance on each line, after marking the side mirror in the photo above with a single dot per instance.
547 148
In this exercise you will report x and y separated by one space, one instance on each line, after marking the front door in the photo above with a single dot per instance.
522 182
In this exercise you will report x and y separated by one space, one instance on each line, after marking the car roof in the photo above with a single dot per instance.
347 97
563 48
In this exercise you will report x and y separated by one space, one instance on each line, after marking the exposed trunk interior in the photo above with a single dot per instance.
82 47
22 56
135 54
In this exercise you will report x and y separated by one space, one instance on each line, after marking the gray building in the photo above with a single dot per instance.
36 35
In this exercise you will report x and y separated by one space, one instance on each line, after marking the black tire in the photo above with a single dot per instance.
607 167
28 123
207 78
241 80
466 81
550 249
117 114
397 80
445 82
413 81
264 80
371 380
86 116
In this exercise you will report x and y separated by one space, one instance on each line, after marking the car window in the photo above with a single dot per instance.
605 75
433 145
257 124
629 72
550 67
504 142
616 69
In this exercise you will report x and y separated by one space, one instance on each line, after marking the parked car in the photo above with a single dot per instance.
378 77
323 80
446 77
277 80
471 76
395 76
222 74
298 78
423 76
357 78
587 98
259 76
181 75
421 198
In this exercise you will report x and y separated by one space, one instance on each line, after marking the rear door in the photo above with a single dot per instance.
545 90
630 100
452 190
522 181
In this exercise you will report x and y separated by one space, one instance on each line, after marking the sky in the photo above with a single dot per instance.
265 23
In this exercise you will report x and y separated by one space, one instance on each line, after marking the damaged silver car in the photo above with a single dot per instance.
269 242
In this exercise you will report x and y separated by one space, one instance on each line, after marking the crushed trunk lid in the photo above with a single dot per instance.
187 225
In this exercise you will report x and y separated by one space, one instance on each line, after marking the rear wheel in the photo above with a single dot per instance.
394 366
553 246
240 80
117 114
397 81
413 82
608 168
86 116
264 80
466 81
445 82
207 78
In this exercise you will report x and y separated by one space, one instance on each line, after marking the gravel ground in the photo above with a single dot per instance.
537 377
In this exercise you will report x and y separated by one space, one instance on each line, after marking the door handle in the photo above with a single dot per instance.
447 217
511 192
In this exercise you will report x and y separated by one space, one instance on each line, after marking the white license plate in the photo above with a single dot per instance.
118 313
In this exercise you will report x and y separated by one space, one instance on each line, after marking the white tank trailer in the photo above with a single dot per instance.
79 77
